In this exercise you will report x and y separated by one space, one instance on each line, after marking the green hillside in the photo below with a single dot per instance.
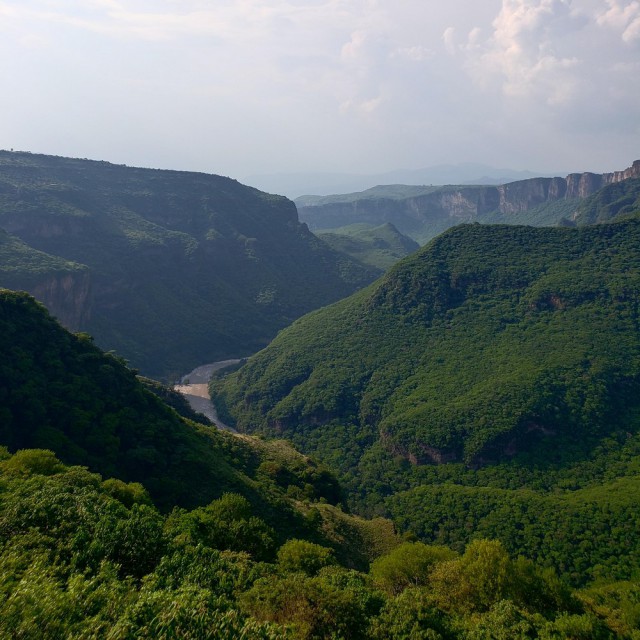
174 269
246 542
497 366
379 247
59 391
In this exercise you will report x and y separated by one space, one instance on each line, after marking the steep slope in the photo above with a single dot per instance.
183 268
59 391
58 283
378 247
424 212
496 357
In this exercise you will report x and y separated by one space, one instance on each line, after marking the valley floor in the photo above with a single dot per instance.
194 388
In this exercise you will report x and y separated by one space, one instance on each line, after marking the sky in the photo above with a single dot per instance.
243 87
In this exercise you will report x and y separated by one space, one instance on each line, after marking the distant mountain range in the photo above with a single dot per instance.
294 185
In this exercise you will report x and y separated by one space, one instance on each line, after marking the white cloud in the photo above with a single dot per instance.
522 52
449 39
410 82
624 17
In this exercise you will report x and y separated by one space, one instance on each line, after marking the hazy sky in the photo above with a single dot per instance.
238 87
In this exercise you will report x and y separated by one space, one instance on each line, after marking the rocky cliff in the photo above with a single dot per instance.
424 216
63 286
67 296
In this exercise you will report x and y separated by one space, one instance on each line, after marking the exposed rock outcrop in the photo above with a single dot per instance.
67 296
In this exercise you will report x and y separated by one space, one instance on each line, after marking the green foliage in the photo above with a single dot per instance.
28 461
312 607
75 562
486 386
412 614
305 557
408 565
129 493
226 523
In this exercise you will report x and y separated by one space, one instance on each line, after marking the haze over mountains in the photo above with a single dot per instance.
294 185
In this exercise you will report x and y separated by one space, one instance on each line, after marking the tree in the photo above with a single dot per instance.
408 565
306 557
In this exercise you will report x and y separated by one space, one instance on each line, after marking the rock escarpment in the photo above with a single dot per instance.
424 216
67 296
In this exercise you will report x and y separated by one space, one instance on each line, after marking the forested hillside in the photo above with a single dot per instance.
258 552
171 269
489 383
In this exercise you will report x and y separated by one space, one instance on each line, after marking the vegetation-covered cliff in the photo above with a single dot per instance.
171 269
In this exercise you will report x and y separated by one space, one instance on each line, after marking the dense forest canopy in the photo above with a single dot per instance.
488 383
265 555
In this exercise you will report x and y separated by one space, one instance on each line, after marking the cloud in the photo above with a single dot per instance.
449 39
522 53
399 79
623 17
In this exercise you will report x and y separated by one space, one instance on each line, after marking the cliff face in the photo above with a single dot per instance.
425 216
67 296
525 194
582 185
63 286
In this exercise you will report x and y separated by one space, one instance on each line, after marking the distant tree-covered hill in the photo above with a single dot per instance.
171 269
378 247
496 370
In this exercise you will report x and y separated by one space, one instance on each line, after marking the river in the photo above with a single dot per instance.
195 388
